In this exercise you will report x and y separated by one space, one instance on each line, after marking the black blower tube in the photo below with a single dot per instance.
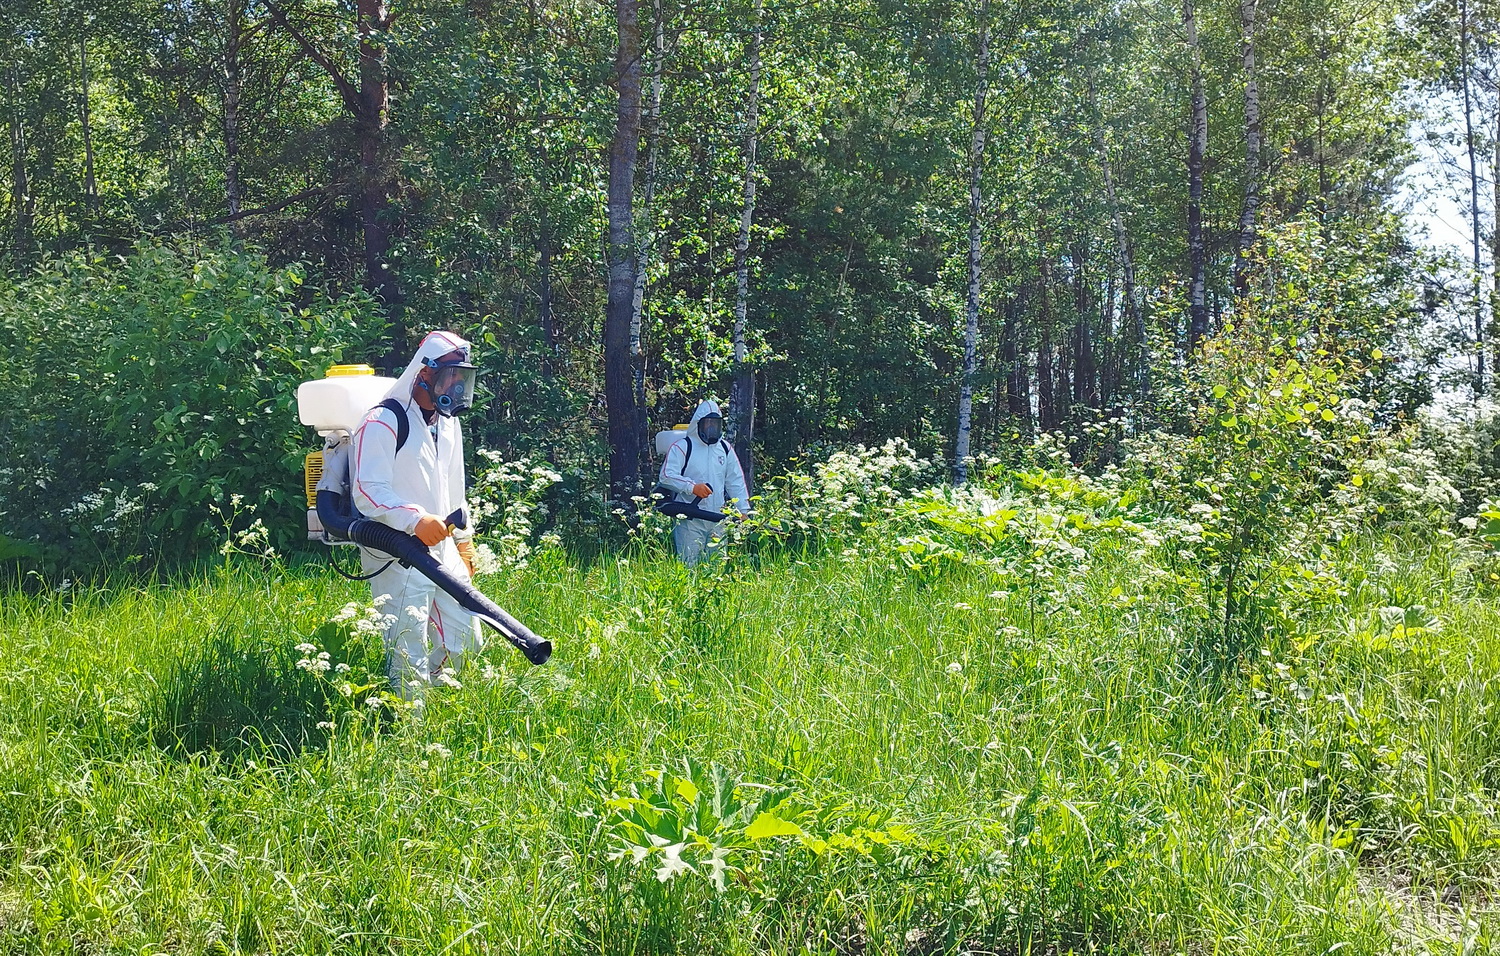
412 553
689 510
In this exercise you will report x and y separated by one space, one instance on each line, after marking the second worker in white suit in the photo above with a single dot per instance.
703 467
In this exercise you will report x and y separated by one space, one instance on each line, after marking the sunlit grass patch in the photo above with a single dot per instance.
825 750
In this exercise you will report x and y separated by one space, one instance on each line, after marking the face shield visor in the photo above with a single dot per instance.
452 387
711 429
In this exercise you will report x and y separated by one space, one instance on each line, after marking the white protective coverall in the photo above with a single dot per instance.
715 465
430 630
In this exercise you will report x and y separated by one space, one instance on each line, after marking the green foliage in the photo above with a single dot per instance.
147 389
1272 452
704 823
493 150
242 695
1278 429
851 754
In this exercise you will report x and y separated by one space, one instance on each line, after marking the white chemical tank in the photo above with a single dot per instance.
339 401
667 437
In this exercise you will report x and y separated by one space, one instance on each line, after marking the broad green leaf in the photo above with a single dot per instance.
768 824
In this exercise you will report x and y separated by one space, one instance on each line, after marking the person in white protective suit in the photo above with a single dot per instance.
414 488
703 466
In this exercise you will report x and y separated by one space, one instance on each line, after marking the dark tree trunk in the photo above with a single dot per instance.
1110 336
1046 397
741 428
1085 365
1495 241
544 299
1197 147
376 179
619 395
1046 391
368 103
1017 383
1130 308
546 321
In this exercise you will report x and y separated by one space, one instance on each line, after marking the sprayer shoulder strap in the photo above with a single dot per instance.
403 427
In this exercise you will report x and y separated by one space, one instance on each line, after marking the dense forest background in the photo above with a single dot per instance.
958 224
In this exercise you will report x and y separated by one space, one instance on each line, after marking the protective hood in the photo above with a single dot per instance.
435 345
705 409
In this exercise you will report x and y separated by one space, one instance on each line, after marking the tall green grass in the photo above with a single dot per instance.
951 771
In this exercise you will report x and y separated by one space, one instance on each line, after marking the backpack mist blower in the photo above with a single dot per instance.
666 498
335 406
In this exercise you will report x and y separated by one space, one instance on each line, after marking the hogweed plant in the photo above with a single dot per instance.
251 540
508 499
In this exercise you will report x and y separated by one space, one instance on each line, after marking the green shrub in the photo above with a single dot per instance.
144 388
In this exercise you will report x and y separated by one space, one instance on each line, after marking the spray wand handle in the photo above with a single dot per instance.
458 519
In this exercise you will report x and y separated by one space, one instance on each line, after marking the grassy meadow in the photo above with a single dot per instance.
814 748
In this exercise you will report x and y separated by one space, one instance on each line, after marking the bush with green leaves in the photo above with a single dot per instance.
146 387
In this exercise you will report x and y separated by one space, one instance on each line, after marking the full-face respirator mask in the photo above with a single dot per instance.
451 385
711 429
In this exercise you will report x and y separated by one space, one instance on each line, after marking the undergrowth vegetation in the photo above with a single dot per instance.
1046 712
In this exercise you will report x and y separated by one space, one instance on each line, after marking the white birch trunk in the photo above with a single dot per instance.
233 84
1197 147
90 183
1132 313
1495 240
741 426
21 199
1251 207
1467 80
961 450
647 235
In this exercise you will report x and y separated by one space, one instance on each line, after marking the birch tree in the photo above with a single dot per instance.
961 451
22 201
85 120
741 428
1251 204
647 233
619 394
1197 147
232 90
1466 82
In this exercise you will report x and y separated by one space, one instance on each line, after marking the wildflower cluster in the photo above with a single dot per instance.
347 653
314 660
365 618
253 539
112 513
1403 483
507 498
1038 532
848 489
